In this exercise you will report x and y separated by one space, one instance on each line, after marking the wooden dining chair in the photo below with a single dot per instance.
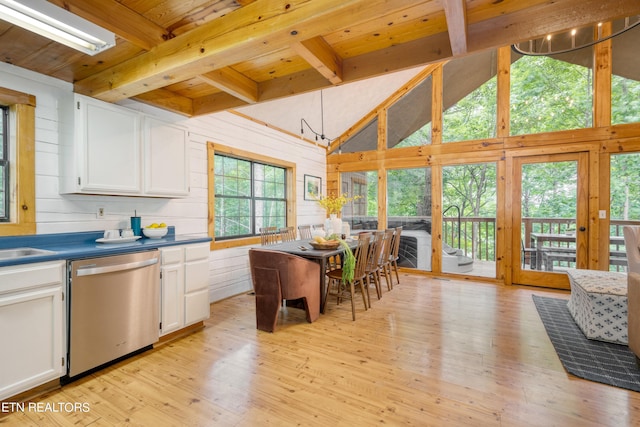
384 262
269 235
372 270
304 231
346 290
287 234
395 252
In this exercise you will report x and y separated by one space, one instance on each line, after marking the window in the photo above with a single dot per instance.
18 179
550 94
248 191
248 196
470 99
625 80
4 165
361 213
409 119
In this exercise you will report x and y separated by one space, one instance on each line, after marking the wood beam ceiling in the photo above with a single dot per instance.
209 51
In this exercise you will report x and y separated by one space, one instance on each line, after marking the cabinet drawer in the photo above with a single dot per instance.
196 252
171 256
27 276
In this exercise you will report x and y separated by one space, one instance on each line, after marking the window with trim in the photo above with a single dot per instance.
18 174
4 165
249 195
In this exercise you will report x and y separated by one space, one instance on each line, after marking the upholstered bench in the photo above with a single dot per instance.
598 304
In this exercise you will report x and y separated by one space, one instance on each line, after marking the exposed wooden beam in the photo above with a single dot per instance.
321 56
117 18
456 14
234 83
224 42
167 100
214 103
413 54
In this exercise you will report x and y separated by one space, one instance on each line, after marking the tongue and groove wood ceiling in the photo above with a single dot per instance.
198 57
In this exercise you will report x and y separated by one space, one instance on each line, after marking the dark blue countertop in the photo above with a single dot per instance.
68 246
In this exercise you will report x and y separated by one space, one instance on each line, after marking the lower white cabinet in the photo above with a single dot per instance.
185 286
31 326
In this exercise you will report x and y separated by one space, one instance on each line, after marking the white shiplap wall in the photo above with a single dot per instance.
57 213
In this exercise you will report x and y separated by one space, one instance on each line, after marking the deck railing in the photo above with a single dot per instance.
475 236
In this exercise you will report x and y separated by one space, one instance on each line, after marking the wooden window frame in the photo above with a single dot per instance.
22 108
290 168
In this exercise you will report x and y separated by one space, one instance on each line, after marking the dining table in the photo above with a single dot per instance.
304 249
538 241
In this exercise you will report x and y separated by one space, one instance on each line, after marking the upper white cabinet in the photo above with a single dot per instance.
166 164
118 151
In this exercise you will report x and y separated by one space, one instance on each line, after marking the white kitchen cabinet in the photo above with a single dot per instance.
166 164
31 326
106 147
185 286
196 283
118 151
172 289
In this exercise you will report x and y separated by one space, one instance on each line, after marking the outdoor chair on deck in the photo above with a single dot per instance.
279 276
527 254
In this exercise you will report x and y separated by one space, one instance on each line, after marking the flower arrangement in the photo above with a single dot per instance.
334 204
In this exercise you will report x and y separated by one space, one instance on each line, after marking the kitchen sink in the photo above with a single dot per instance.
23 252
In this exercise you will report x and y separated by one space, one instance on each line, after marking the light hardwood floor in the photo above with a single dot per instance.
430 352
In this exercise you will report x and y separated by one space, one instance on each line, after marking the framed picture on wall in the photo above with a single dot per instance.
312 187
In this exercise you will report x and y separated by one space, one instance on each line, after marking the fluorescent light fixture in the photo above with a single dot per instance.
57 24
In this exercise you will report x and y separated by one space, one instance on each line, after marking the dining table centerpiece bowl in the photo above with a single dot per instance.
329 244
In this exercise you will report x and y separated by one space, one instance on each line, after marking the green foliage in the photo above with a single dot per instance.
474 116
625 186
549 190
549 95
349 263
407 189
625 100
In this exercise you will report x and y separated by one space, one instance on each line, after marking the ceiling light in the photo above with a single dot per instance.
574 39
303 122
57 24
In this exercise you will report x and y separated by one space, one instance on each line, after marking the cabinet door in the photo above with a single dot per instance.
196 292
196 306
171 313
32 336
109 140
166 160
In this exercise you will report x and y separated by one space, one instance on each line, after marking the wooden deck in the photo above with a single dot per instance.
432 351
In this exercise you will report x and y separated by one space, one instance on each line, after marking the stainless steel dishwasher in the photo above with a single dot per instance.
114 305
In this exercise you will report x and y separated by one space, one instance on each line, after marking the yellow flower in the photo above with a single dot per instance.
334 204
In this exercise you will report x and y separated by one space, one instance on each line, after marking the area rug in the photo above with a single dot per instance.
599 361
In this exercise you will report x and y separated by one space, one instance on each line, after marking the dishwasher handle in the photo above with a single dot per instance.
91 270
